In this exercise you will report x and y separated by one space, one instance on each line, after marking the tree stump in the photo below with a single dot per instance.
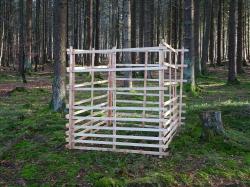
211 125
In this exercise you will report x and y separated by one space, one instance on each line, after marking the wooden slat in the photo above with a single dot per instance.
138 65
91 83
141 94
136 50
119 119
128 137
122 89
88 69
119 143
148 80
101 107
156 153
89 99
137 102
156 129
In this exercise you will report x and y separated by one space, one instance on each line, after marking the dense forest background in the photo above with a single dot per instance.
34 36
36 33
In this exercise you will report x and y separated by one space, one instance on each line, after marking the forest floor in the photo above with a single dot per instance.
33 153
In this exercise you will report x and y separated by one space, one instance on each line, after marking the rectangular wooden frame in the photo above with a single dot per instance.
110 126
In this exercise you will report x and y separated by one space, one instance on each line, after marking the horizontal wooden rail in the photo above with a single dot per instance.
121 108
119 143
89 99
90 83
118 136
136 50
122 89
89 69
155 153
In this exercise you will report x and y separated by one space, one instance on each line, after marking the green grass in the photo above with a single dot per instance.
32 140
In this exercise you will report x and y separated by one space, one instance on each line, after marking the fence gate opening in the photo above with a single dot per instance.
125 107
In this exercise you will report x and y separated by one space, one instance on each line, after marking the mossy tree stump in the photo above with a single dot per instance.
211 125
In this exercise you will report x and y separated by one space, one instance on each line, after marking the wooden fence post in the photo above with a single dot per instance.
71 97
161 98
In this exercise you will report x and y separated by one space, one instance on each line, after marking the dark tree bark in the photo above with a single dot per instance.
37 35
188 42
240 37
97 31
22 41
211 36
175 21
44 35
58 87
90 29
149 23
219 26
170 13
127 37
133 29
205 43
232 42
149 28
141 28
197 36
180 32
211 125
29 33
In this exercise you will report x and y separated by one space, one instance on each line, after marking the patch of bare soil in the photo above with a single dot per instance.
6 89
38 80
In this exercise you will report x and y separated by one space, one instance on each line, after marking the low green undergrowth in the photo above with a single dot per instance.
32 145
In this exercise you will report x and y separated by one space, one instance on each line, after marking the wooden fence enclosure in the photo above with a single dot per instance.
124 107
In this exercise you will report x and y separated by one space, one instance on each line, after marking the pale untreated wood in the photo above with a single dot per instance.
142 118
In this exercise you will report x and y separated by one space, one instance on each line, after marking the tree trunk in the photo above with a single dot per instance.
127 38
29 33
90 29
188 42
211 37
205 42
211 125
240 37
133 29
21 42
37 35
149 29
58 87
232 42
196 36
219 25
141 30
97 31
